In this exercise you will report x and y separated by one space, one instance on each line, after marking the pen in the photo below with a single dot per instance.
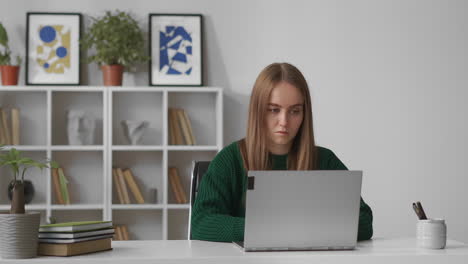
416 210
423 214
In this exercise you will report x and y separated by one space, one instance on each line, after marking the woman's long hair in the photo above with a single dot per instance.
254 150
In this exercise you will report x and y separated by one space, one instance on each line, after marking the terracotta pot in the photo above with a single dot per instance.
10 74
112 74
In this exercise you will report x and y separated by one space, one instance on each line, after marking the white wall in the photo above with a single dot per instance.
389 83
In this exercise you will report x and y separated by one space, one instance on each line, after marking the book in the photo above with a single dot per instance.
123 186
125 232
63 186
172 139
177 186
15 126
56 182
6 128
74 249
106 231
175 124
2 132
118 233
118 188
72 240
189 125
130 179
184 126
75 226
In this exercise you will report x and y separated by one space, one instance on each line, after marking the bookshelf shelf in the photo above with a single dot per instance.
137 148
138 206
77 207
6 207
192 148
26 148
77 148
89 168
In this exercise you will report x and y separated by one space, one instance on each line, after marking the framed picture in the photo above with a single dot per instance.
175 50
53 48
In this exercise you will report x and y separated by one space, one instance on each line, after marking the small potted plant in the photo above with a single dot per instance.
19 228
118 42
8 71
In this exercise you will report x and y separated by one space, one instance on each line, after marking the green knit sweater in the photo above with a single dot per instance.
219 209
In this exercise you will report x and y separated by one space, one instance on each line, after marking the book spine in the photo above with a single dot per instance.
179 186
64 186
6 128
15 126
174 188
189 125
133 186
2 129
118 233
125 196
56 182
184 126
125 232
118 188
177 133
172 139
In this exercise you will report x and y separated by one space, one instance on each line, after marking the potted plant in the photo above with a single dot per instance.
19 228
8 71
118 42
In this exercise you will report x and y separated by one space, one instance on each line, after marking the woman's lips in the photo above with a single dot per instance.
281 132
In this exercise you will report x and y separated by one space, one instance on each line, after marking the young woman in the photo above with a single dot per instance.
279 136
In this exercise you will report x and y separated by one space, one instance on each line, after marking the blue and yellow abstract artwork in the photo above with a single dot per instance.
53 53
175 50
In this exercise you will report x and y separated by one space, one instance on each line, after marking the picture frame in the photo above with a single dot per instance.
53 48
176 49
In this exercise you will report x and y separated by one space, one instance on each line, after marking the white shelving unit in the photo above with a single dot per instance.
89 168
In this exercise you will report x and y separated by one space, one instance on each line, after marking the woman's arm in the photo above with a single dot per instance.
365 230
213 209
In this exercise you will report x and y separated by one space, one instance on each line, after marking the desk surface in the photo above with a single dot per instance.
378 250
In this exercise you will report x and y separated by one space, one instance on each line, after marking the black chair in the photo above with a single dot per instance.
198 170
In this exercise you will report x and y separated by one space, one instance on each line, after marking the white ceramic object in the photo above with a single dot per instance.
18 235
134 130
431 233
80 128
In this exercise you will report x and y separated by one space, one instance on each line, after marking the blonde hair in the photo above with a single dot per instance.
254 151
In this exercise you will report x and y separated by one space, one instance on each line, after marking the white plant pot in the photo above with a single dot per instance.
18 235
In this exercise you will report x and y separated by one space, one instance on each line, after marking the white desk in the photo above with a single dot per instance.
376 251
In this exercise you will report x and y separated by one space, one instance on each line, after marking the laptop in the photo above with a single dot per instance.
301 210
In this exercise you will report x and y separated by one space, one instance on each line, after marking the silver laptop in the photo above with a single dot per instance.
302 210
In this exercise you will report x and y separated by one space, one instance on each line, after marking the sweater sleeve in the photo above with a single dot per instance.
365 229
211 215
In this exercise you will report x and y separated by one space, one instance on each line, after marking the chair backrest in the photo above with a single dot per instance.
198 170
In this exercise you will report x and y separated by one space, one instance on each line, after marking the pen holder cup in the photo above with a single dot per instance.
431 233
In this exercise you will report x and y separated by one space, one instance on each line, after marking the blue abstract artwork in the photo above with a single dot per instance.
175 50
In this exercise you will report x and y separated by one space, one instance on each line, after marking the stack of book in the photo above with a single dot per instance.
180 128
60 183
123 180
7 136
75 238
176 185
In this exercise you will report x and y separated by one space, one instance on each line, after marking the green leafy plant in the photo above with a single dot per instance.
5 55
19 164
116 38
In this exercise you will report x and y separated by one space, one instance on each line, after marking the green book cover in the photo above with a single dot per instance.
63 186
75 226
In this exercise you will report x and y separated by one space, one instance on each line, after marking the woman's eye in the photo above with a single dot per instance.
273 110
295 111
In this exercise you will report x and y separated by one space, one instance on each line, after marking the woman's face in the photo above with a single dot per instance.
285 113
